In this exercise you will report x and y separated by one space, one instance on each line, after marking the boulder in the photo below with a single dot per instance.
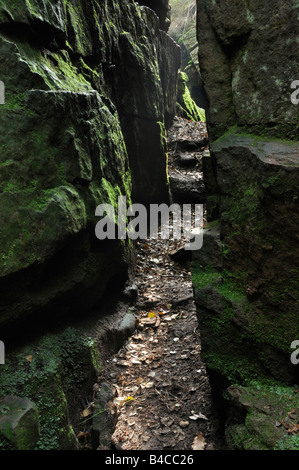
262 417
185 190
19 423
103 420
52 372
248 59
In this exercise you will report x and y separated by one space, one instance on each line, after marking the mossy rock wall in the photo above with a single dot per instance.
87 94
186 106
248 307
248 57
53 372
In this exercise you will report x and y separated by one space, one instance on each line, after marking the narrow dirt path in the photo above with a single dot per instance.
163 398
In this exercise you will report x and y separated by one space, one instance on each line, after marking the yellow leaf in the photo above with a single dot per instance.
151 315
29 357
129 398
85 413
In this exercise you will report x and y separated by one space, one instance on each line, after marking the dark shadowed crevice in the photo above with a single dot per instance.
37 33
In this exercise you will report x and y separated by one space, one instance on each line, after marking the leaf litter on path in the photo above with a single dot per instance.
160 367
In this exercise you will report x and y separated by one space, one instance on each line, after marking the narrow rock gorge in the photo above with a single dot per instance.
102 100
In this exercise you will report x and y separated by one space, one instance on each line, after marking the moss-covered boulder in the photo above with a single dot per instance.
19 423
258 189
263 417
53 372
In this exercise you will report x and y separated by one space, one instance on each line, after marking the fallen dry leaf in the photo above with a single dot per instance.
199 442
120 401
292 412
196 416
29 357
294 429
184 424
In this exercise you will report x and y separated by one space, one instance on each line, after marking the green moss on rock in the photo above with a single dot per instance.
187 108
51 372
19 424
263 416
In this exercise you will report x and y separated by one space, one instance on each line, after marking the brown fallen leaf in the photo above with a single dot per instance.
146 322
29 357
293 429
184 424
199 442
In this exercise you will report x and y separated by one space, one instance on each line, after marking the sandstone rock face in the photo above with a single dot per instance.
248 309
88 89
